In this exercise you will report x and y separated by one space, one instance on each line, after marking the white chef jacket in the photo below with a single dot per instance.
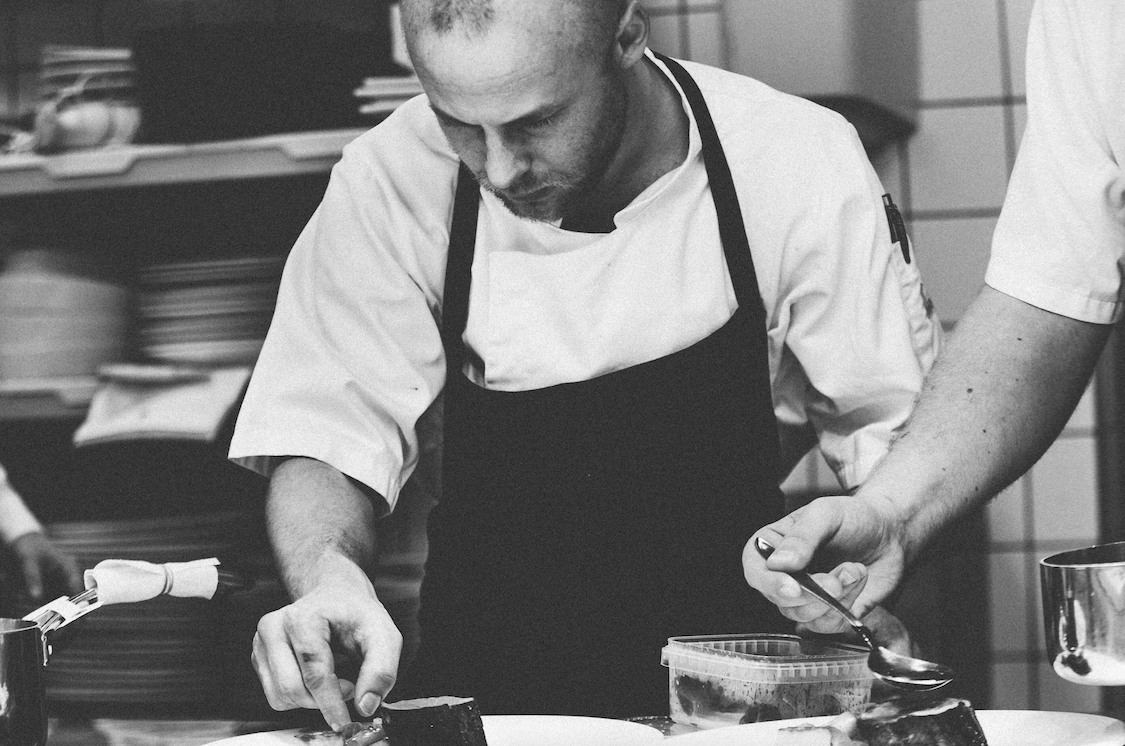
15 519
353 357
1060 240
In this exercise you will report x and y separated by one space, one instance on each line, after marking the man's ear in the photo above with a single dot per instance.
632 34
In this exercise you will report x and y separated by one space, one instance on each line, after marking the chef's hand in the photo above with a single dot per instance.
45 567
859 538
297 648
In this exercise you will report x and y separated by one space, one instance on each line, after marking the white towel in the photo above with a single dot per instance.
188 411
126 581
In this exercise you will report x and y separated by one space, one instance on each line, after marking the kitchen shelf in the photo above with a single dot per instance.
63 398
150 165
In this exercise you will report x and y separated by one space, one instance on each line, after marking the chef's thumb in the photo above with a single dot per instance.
372 687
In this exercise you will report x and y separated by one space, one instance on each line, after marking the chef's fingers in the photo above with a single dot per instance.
280 649
801 533
778 587
846 583
309 635
273 662
257 660
382 649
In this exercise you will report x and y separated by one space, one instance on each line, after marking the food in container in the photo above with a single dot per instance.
720 680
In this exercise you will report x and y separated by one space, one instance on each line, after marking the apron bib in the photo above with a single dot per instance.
583 524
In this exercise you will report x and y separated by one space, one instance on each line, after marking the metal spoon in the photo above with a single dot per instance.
898 670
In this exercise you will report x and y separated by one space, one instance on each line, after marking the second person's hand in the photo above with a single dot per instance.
47 570
858 540
297 646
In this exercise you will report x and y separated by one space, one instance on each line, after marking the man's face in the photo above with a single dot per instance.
537 121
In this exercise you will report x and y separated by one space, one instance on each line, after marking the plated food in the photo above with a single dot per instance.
434 721
904 721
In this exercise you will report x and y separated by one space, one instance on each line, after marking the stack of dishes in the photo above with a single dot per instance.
100 73
164 732
383 95
57 318
160 653
213 312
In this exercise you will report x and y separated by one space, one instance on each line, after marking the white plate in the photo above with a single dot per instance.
499 730
1001 728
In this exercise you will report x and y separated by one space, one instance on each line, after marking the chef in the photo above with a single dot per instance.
1053 291
642 289
42 567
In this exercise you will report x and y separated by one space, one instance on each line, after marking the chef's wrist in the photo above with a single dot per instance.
333 570
894 520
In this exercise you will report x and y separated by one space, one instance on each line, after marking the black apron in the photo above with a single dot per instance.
583 524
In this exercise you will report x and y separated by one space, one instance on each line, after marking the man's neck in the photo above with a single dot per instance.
655 142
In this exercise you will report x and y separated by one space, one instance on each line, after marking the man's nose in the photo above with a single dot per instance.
504 161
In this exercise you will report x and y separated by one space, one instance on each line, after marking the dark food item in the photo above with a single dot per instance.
434 721
920 720
761 713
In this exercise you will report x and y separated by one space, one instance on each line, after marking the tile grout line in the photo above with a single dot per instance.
1006 84
1027 490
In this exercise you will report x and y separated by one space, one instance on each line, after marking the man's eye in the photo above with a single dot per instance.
543 123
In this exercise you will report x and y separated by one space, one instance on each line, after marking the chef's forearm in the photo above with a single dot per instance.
996 399
321 525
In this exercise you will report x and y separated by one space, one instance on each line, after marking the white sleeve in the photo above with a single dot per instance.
15 519
859 334
1060 240
353 357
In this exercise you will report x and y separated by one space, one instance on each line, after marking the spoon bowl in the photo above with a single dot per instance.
896 669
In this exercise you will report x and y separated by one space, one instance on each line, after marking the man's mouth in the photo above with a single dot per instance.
530 196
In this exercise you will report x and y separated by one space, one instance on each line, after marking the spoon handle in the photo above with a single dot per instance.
805 580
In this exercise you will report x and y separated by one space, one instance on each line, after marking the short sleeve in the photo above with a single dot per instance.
859 333
1060 239
353 356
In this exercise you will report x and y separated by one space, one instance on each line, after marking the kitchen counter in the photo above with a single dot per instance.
85 732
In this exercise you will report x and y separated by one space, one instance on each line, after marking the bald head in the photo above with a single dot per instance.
591 24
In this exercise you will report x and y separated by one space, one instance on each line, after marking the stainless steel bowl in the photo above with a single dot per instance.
1084 613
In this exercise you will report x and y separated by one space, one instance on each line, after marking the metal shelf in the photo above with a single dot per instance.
149 165
46 398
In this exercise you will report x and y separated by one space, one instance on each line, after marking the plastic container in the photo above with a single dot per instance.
720 680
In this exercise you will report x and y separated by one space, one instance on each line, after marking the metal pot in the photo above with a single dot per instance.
25 648
1084 613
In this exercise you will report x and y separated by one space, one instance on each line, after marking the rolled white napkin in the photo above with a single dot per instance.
125 581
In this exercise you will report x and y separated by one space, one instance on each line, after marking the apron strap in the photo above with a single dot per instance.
732 229
459 268
736 247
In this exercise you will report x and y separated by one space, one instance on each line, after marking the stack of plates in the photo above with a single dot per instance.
163 652
54 321
212 312
164 732
384 94
101 73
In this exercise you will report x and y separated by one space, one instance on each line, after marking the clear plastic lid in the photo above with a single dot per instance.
766 658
